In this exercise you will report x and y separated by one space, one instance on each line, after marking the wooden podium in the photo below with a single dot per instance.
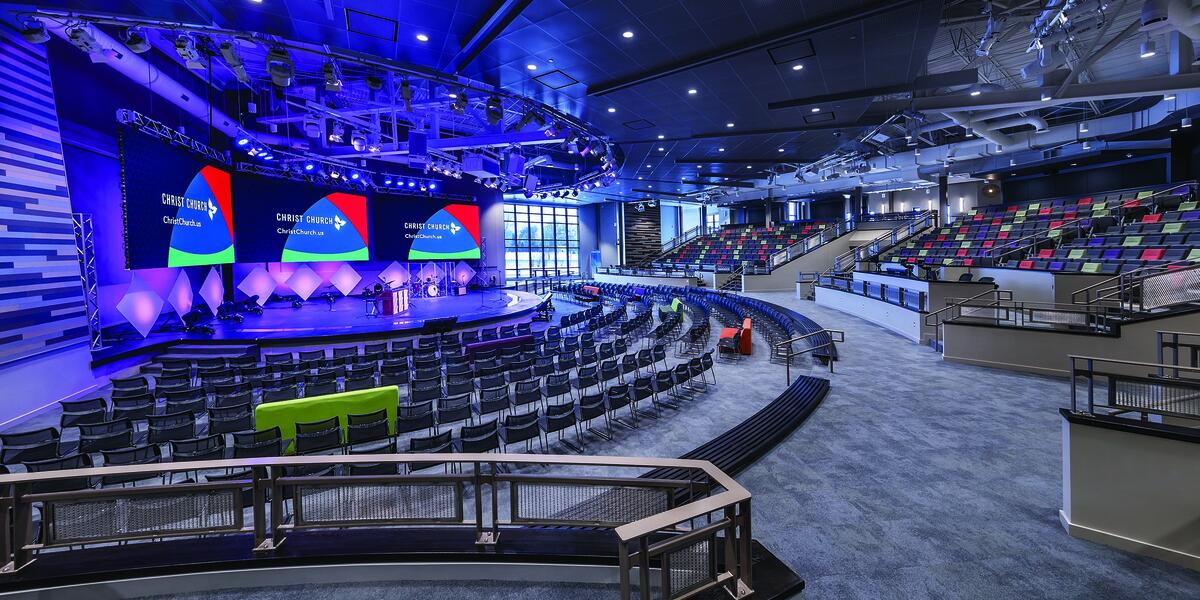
395 301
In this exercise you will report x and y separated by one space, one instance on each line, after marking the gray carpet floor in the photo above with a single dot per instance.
916 478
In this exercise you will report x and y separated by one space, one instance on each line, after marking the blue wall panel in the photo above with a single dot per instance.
41 300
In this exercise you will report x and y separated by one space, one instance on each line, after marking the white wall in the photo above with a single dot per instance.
1133 491
689 218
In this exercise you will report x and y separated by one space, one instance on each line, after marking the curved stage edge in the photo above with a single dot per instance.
342 321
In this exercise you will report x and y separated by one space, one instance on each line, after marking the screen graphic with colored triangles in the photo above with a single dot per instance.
334 228
203 230
452 233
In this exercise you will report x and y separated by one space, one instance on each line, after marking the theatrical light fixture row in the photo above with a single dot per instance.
293 68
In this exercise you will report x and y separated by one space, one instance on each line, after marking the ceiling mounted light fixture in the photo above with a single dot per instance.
1148 48
279 65
233 58
333 76
135 40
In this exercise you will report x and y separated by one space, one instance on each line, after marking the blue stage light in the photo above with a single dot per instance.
309 166
387 181
268 156
433 186
243 141
354 175
412 184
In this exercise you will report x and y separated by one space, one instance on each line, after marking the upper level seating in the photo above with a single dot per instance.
1151 239
1003 235
737 243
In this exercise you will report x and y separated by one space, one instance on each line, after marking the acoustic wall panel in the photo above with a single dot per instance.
41 299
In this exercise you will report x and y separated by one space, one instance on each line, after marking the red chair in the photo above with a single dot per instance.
1152 218
1046 253
1025 264
1153 253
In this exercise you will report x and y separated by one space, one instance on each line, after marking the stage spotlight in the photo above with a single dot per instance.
411 183
35 32
309 166
387 180
335 134
268 156
233 58
312 125
374 83
185 47
81 38
433 186
359 141
406 94
459 105
334 173
424 187
333 76
279 65
494 110
136 41
243 141
354 175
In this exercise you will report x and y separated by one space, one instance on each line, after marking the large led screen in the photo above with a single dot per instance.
285 221
414 228
177 208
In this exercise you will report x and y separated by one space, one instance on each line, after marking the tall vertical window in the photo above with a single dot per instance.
540 240
793 211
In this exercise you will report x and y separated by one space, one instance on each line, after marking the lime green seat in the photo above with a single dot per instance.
287 413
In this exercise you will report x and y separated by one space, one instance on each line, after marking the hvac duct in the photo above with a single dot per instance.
137 69
1171 15
1038 123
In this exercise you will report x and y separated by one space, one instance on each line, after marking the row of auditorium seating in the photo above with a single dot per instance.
736 244
1047 234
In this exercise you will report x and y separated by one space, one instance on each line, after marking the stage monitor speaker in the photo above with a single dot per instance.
439 325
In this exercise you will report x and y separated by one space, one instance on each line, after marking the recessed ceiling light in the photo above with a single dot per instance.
1169 97
729 124
692 91
720 149
781 149
975 92
816 109
627 34
531 67
649 167
639 177
452 95
661 149
797 67
422 37
749 166
611 109
661 136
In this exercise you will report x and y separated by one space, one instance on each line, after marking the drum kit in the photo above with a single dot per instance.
425 289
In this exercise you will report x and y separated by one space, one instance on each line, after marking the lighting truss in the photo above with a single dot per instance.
85 251
157 129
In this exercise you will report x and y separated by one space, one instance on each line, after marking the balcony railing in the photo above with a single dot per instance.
683 527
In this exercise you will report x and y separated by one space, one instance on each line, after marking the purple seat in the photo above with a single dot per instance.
1056 265
1190 215
1096 241
1112 254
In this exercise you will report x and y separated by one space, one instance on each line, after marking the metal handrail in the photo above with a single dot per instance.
675 243
1137 387
1124 285
955 305
779 257
789 346
920 222
864 290
266 477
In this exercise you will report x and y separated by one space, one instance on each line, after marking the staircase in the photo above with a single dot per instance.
734 283
1145 289
872 250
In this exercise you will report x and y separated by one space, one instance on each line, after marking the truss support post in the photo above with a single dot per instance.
85 251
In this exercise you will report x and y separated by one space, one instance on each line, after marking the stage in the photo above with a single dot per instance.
343 321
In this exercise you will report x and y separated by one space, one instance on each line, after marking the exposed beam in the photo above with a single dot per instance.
927 82
486 32
774 160
660 193
734 184
1031 97
774 38
1093 56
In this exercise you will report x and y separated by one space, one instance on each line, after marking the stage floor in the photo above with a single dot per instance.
345 319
